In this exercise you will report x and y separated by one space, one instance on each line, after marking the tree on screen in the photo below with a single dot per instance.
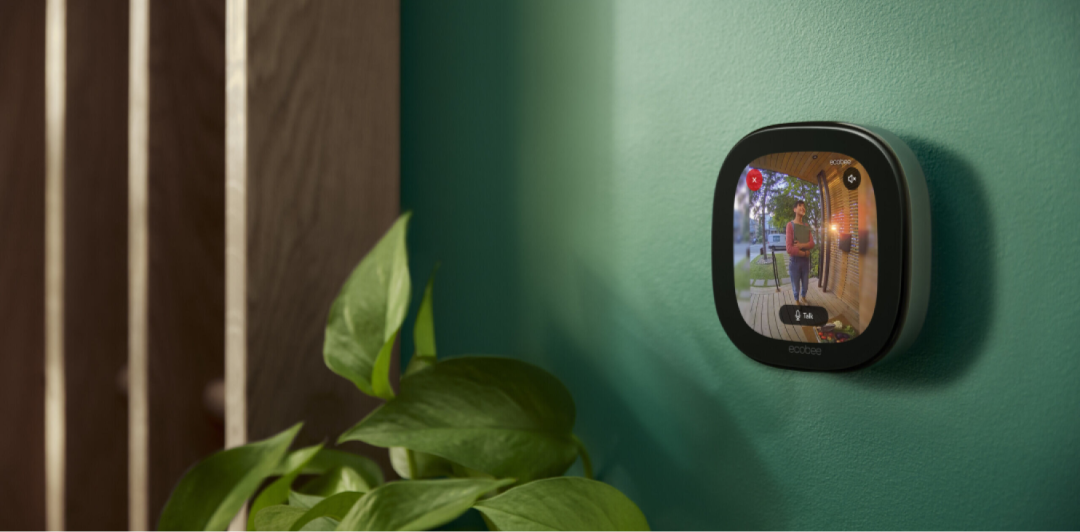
782 204
760 207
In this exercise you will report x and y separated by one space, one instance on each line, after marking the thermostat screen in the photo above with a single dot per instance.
806 247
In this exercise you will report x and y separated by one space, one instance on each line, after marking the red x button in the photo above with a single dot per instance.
753 179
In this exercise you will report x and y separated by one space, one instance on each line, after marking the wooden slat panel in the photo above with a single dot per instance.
322 187
851 280
187 237
844 278
868 267
805 163
22 257
783 160
819 164
838 217
799 164
95 265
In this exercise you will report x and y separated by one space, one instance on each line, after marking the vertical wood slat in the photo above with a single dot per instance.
853 258
868 242
845 268
138 264
236 37
186 229
95 265
22 264
322 187
55 389
236 101
839 215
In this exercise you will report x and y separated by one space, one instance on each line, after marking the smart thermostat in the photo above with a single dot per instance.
821 245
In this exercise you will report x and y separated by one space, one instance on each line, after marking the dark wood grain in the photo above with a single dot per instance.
95 264
22 263
323 186
187 236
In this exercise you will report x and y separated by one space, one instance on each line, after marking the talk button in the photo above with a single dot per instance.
803 315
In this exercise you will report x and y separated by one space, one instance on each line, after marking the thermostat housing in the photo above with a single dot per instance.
829 225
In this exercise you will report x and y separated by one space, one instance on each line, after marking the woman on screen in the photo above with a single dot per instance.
800 240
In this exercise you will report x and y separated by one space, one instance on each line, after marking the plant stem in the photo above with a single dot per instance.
586 462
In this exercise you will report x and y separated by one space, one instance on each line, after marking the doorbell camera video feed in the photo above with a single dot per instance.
806 247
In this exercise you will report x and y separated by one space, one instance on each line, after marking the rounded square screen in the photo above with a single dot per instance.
806 247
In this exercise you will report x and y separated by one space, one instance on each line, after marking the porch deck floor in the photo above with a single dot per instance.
763 312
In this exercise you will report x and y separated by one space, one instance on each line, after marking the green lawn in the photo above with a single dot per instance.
742 277
754 269
760 270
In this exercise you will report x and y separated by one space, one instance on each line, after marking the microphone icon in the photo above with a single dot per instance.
796 315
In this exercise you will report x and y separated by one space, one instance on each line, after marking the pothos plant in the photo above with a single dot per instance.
489 433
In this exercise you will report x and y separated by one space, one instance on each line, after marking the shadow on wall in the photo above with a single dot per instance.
963 276
460 70
713 478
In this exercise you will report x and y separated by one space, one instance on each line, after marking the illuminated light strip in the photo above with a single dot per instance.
138 265
236 230
55 412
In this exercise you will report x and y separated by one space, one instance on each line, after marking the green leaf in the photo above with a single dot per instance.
337 480
283 518
297 459
501 416
328 459
303 500
278 517
424 330
567 503
380 377
417 363
369 310
424 465
417 504
363 476
323 523
461 471
336 507
212 492
278 491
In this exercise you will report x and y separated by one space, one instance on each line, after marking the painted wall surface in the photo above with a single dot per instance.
561 157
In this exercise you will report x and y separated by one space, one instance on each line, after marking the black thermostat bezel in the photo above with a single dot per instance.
894 234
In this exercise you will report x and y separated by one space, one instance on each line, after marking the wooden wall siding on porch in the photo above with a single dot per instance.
322 188
96 265
868 267
22 264
323 160
844 212
186 317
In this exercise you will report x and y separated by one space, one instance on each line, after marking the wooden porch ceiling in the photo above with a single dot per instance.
804 165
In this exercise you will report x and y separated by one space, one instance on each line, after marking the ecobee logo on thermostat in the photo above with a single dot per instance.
803 350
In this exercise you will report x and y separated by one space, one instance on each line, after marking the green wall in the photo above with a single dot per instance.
561 158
